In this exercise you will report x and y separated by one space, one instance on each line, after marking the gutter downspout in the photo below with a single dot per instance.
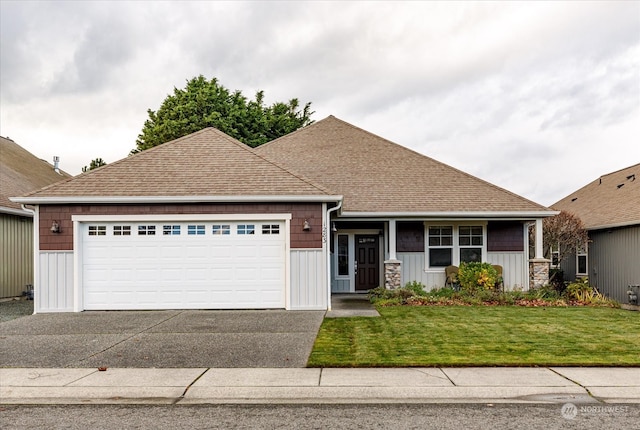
329 233
36 252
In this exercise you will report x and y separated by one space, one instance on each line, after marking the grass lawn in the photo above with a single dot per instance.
481 336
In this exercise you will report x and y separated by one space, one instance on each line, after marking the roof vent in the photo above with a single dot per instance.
620 185
56 164
632 177
574 199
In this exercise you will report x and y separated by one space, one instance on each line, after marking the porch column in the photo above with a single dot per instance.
538 266
392 266
539 250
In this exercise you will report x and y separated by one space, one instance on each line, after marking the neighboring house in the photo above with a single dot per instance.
205 222
20 173
609 207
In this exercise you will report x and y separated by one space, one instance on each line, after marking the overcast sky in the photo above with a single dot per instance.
537 97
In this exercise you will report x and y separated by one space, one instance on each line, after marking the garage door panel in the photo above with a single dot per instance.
176 270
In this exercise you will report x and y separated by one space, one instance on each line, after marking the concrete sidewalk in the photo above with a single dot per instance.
312 385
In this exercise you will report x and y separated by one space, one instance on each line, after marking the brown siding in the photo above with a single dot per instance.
62 214
505 236
410 237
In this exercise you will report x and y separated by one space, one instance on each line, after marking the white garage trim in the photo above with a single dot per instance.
78 234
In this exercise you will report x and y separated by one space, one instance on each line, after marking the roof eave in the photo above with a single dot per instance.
504 215
613 225
17 212
174 199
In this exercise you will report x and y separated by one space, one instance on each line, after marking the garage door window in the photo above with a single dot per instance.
270 229
171 230
195 230
221 229
122 230
97 230
246 229
146 230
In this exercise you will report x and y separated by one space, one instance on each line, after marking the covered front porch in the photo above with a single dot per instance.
368 253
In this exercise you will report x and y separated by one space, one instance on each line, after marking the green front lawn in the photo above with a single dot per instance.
481 336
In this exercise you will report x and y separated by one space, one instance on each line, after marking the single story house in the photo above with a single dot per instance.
206 222
20 172
609 207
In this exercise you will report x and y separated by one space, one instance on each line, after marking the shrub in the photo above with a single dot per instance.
417 288
477 276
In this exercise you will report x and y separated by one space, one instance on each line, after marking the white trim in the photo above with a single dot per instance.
455 246
78 300
17 212
175 199
446 216
182 217
35 213
287 262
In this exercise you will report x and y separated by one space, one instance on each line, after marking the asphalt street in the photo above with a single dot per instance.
370 416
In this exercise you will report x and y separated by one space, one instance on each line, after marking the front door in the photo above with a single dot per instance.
367 262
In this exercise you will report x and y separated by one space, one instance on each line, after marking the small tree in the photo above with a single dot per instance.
95 163
566 233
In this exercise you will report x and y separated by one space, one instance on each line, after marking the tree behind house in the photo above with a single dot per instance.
204 103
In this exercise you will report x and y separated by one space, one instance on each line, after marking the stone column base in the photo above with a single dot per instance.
538 272
392 274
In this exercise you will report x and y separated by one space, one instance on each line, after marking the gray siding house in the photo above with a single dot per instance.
20 172
610 209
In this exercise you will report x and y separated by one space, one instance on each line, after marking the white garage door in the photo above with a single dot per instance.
183 265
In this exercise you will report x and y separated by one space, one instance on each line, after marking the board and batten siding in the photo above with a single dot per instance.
16 248
514 267
55 282
614 260
308 280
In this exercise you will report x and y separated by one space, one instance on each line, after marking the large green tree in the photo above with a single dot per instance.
206 103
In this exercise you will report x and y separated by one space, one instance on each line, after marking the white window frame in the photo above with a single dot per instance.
455 258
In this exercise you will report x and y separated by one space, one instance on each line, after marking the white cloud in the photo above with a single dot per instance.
537 97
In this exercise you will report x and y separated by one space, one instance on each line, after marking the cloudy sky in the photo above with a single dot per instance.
536 97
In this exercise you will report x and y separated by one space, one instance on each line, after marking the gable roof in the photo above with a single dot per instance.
204 166
610 201
22 172
376 175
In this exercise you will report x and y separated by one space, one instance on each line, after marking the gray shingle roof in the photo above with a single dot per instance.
205 163
376 175
22 172
613 199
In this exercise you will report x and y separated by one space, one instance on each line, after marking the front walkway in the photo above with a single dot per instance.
351 305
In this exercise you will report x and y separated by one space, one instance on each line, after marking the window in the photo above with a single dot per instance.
470 241
122 230
221 229
581 261
146 230
270 229
246 229
448 245
195 230
97 230
555 256
440 243
343 255
170 230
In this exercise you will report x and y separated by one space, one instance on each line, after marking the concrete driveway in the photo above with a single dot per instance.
170 339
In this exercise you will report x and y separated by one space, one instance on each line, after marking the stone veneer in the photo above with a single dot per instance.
538 272
392 274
